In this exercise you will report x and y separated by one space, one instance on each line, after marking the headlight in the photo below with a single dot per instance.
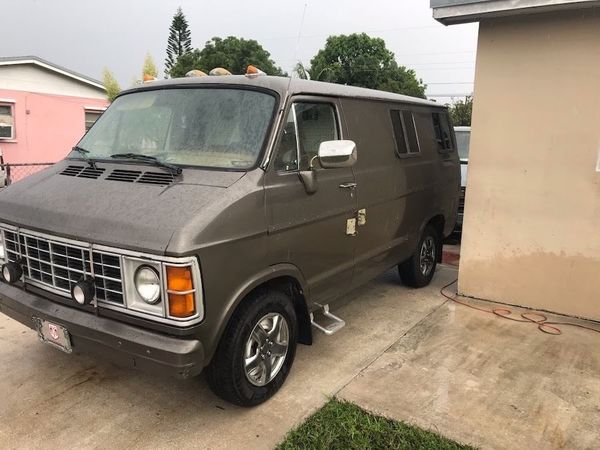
2 248
147 284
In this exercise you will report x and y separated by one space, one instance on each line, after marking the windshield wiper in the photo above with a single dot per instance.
151 159
83 152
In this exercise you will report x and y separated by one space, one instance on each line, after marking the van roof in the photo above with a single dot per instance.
291 86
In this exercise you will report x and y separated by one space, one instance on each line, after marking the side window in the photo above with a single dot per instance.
443 135
399 135
286 158
7 121
410 125
307 125
405 132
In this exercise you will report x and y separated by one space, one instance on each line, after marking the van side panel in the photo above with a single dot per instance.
399 193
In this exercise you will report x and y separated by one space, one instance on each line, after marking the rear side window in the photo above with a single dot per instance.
307 125
443 136
405 132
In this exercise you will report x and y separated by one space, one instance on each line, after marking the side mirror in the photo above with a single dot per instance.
336 154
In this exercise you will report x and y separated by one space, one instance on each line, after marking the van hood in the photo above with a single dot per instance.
129 215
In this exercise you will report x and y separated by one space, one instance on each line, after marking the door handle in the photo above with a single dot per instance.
348 186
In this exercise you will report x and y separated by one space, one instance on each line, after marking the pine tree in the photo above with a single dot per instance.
180 40
111 85
149 68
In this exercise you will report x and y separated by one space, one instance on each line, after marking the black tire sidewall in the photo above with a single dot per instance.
410 270
244 392
424 280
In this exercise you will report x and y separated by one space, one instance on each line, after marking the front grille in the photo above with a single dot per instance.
57 265
461 200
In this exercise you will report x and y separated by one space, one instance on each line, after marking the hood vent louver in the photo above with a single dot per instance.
161 178
90 172
128 176
83 172
72 171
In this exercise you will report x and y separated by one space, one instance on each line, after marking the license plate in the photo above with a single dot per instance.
54 335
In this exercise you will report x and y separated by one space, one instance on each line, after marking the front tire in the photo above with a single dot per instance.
419 269
257 350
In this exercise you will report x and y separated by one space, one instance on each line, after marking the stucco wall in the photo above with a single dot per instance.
46 126
532 218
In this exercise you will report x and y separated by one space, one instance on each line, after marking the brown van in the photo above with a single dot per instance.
206 224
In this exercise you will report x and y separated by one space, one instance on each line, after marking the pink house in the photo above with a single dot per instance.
44 109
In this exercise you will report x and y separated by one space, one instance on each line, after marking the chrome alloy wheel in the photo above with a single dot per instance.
427 256
266 349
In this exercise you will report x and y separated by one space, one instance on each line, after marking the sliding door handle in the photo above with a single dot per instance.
348 186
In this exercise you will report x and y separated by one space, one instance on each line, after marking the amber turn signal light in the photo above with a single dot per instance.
180 287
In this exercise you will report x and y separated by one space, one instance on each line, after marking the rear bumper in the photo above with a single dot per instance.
123 344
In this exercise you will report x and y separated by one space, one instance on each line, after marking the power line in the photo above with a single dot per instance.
451 83
436 53
449 95
385 30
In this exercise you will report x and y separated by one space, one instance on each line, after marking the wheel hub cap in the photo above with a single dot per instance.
427 256
266 349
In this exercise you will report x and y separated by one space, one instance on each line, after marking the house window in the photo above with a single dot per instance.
443 137
7 121
307 125
91 115
405 132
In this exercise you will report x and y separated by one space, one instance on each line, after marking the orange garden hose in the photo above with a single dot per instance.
528 317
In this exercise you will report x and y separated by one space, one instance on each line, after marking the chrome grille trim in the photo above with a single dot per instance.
125 276
56 264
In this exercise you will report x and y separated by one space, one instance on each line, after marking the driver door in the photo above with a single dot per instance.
311 230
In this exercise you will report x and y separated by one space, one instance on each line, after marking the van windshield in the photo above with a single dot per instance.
462 141
208 127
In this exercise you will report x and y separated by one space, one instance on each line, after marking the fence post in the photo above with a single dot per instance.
7 167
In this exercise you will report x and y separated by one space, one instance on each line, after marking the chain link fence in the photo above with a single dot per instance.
11 173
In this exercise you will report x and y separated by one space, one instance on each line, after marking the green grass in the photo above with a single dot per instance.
343 425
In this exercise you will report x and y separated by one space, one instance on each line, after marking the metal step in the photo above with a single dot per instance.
335 324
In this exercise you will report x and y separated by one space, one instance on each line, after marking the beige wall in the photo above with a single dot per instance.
532 219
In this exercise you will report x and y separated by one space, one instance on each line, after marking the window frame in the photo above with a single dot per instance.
441 148
93 110
11 105
409 153
291 107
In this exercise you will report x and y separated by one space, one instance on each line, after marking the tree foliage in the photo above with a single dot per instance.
231 53
186 62
179 42
111 84
360 60
149 67
461 112
301 71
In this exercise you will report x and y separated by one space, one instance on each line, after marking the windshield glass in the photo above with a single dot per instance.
462 141
209 127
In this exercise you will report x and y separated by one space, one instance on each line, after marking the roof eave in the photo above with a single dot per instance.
457 12
53 68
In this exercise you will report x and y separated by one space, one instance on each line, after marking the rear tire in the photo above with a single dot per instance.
257 350
419 269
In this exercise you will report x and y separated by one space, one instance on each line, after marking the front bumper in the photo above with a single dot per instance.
123 344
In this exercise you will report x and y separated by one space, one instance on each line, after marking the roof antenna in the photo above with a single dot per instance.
299 64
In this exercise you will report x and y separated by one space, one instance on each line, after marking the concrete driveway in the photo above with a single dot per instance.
490 382
49 399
